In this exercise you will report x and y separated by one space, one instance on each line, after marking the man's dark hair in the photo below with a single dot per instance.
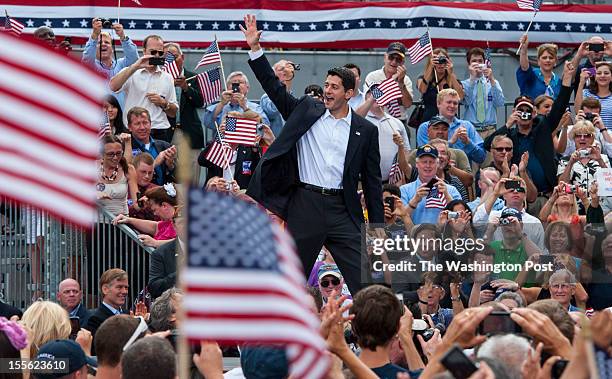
474 51
392 189
348 79
111 336
147 38
377 313
351 66
137 111
591 103
149 358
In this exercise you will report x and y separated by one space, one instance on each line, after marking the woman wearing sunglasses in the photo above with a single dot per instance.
115 178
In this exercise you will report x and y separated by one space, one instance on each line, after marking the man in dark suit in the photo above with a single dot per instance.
70 296
114 286
162 270
309 175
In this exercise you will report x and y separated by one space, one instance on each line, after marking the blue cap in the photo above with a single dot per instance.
65 350
328 269
511 212
438 120
427 150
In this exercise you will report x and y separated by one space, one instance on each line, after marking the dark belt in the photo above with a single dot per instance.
321 190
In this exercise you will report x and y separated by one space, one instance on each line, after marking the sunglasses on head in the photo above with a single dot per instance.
159 53
500 149
326 282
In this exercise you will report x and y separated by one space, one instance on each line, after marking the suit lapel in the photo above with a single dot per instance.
354 142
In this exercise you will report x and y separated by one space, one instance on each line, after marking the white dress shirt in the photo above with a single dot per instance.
387 126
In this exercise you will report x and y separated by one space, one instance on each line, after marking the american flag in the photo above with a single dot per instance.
210 84
244 283
104 125
395 173
532 5
421 48
12 26
170 66
211 55
393 108
41 165
386 91
435 199
219 153
240 130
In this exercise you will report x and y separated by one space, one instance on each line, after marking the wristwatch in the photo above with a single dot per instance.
167 106
458 298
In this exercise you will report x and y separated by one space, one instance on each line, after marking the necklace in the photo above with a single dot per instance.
110 178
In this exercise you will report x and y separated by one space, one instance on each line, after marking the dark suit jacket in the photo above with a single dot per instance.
277 175
190 123
95 320
246 161
162 270
83 314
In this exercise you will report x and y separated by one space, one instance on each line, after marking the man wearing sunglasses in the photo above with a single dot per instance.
148 86
330 280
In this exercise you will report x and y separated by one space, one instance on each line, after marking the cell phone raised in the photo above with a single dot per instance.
459 365
235 87
156 61
596 47
390 201
498 322
75 326
432 182
512 184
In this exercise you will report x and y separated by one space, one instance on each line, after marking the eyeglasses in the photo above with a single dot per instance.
142 327
563 286
500 149
583 136
334 282
395 57
159 53
116 154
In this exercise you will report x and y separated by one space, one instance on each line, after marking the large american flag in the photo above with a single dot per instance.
219 153
435 199
13 26
421 48
49 121
532 5
210 84
211 55
386 91
240 130
170 66
245 283
322 24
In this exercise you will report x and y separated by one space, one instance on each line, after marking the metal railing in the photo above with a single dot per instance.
37 252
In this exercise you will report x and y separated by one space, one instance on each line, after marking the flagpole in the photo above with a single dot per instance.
434 67
222 144
118 9
221 63
527 31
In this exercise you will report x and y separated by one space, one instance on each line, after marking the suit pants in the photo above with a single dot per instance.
315 220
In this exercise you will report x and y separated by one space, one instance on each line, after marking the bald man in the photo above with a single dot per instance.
69 296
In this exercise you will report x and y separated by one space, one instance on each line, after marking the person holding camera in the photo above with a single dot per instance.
589 111
483 94
146 85
599 87
285 72
594 50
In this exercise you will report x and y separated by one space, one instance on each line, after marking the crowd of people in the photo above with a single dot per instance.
526 189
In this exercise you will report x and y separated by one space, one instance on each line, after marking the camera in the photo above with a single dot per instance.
596 47
498 322
482 66
584 153
296 66
525 115
228 186
570 188
235 87
106 23
442 60
504 221
453 215
588 116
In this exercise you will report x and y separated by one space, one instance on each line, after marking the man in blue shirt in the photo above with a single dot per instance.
234 99
483 94
462 134
285 72
426 201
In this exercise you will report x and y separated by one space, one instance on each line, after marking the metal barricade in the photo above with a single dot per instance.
38 251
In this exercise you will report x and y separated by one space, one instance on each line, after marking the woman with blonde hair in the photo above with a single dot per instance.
540 80
45 321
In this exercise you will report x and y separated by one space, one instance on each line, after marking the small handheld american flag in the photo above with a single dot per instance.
244 283
210 84
386 91
435 199
170 66
12 26
240 130
532 5
219 153
421 48
211 55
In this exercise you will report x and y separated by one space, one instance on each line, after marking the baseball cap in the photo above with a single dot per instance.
397 48
329 269
65 350
427 150
438 120
511 212
523 100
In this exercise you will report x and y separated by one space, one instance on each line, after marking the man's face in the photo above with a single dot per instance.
442 155
69 295
154 47
439 130
591 110
46 34
116 292
432 292
427 166
283 70
357 78
562 291
510 231
179 57
596 56
491 176
144 174
502 151
140 126
392 62
516 198
426 250
477 59
240 80
527 109
329 284
335 95
105 46
448 106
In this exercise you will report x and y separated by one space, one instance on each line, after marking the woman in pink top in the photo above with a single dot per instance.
163 202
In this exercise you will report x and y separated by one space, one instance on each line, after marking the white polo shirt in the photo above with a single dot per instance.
143 82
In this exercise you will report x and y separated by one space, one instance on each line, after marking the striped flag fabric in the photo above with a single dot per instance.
393 108
240 130
219 153
211 55
210 84
435 199
104 126
41 165
386 91
12 26
531 5
170 66
245 284
395 173
421 48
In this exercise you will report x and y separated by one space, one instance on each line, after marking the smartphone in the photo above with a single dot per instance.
432 182
511 184
545 259
458 363
498 322
75 326
596 47
400 298
235 87
558 368
156 61
390 201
